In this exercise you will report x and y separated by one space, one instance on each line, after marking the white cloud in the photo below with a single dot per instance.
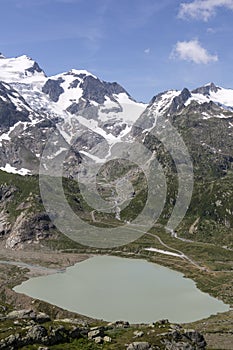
147 51
202 9
192 51
211 30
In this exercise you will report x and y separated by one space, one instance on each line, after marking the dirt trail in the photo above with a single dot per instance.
182 255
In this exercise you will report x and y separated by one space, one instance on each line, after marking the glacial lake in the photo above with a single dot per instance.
113 288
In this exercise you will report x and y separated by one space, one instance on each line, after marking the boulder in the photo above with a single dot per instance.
178 346
196 338
21 314
138 334
75 333
58 335
41 317
107 339
163 322
139 346
119 324
36 334
95 333
185 340
11 342
98 340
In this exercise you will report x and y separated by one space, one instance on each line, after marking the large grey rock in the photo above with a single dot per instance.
12 342
196 338
178 346
139 346
95 333
21 314
58 335
75 333
185 340
119 324
36 334
98 340
107 339
138 334
41 317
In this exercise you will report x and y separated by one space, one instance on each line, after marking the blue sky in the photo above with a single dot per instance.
148 46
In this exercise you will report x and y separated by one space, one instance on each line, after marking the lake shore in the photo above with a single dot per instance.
133 290
12 275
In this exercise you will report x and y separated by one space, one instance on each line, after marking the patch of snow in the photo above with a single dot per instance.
94 103
6 136
10 169
3 99
62 149
199 98
206 115
70 94
93 125
91 156
163 252
81 71
223 96
131 109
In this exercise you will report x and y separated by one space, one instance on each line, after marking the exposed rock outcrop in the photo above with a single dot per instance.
28 227
32 328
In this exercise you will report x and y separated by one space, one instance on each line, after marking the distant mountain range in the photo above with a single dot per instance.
77 102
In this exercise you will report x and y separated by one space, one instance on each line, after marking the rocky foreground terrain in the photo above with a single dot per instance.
28 328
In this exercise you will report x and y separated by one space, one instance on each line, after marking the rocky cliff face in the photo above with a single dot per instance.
21 222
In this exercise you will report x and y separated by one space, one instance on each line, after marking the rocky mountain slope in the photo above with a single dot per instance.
204 119
84 109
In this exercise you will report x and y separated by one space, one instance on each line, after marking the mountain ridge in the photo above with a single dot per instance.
81 101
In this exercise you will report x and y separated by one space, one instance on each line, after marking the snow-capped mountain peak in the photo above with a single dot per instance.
85 109
206 89
19 69
80 72
173 100
210 92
